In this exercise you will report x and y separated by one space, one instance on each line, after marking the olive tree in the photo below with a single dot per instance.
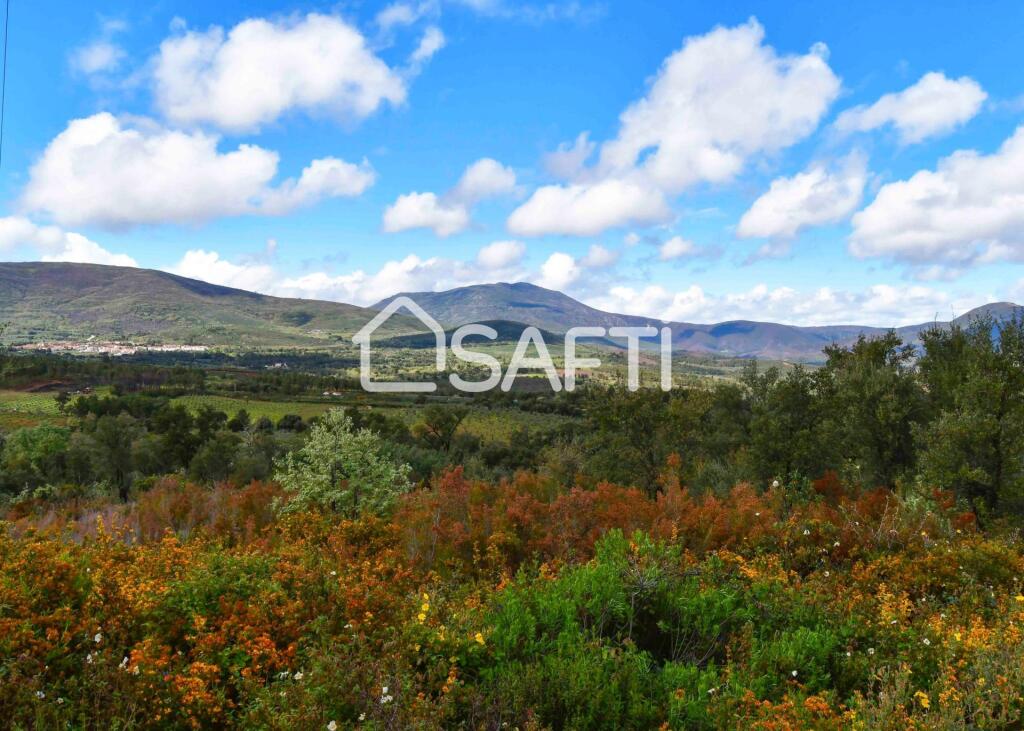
342 469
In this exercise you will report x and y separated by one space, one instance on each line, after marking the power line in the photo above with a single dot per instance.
3 86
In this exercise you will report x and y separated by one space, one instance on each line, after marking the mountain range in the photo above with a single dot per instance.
557 312
60 301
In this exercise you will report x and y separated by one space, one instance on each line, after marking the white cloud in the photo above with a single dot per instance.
677 248
54 244
450 214
501 254
100 171
587 209
558 272
399 14
969 209
721 98
599 257
433 40
425 210
208 266
879 305
933 106
716 102
259 70
97 57
568 161
815 197
486 178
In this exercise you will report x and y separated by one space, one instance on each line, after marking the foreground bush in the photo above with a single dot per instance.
508 605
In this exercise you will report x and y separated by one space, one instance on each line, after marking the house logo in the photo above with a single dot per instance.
531 338
362 339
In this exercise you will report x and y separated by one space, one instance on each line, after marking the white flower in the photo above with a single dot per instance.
849 654
712 690
827 574
332 726
98 638
362 716
871 651
298 675
385 699
926 641
793 673
88 658
135 670
757 515
384 690
334 573
807 532
40 694
836 544
60 701
775 483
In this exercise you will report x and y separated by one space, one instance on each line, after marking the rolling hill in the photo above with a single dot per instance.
57 301
557 312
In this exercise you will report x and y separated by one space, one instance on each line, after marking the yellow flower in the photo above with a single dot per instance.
425 607
922 698
421 616
1020 597
479 638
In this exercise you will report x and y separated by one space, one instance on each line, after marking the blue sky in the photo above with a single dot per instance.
803 162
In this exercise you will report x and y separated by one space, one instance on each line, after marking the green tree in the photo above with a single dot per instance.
342 469
438 425
975 383
112 462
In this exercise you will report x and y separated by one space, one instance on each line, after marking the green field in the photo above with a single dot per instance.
20 409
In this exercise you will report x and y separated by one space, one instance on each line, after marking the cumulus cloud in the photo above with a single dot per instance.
879 305
600 257
559 271
568 161
425 210
717 101
588 209
450 214
108 173
815 197
677 248
52 243
934 106
969 209
259 70
501 254
208 266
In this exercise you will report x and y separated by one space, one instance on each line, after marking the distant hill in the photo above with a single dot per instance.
557 312
57 301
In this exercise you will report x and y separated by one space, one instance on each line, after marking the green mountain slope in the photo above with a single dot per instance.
57 301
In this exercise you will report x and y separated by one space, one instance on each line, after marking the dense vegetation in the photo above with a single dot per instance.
828 548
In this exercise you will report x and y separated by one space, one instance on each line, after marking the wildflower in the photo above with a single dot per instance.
298 675
384 690
1020 597
60 701
807 532
712 691
88 659
922 698
362 716
827 574
757 515
40 694
334 573
926 641
332 726
836 544
425 607
98 638
135 670
426 597
421 616
775 483
479 638
871 651
793 673
385 699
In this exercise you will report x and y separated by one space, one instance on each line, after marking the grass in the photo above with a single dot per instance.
19 409
257 408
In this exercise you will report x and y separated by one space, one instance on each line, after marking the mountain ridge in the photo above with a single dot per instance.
47 301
